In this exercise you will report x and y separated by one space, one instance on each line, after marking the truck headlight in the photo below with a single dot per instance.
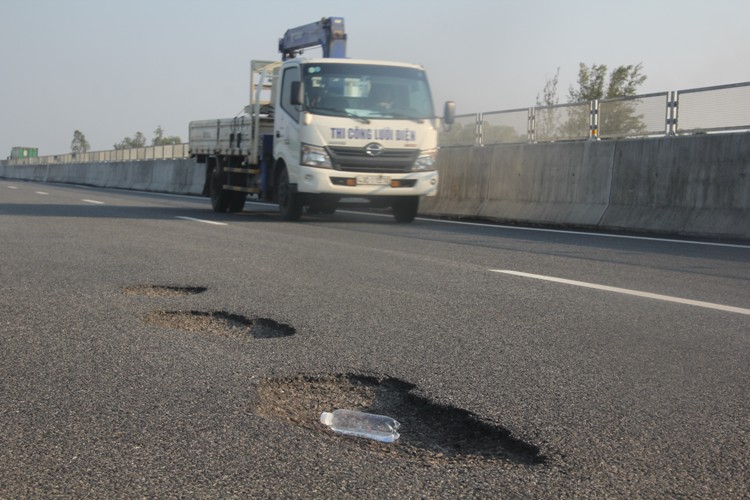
314 156
425 161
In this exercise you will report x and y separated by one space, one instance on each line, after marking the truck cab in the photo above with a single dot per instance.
346 128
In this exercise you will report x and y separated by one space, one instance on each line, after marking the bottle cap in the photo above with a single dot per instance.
326 418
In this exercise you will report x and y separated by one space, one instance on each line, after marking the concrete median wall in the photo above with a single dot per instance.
552 183
169 176
694 185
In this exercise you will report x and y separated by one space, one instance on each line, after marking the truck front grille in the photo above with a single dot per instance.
358 160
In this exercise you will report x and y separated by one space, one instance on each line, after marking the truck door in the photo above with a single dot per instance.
287 134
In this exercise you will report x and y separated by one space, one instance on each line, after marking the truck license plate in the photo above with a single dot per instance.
374 180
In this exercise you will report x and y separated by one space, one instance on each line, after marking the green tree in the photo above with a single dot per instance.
616 117
137 141
160 140
79 144
592 82
548 118
549 93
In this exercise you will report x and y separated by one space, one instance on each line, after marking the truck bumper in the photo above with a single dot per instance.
318 180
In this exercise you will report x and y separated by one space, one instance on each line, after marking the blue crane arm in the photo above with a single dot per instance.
328 33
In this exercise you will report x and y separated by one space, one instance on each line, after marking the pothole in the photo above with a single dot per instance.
220 323
428 430
163 290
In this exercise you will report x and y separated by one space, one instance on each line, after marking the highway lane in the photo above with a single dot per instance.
620 394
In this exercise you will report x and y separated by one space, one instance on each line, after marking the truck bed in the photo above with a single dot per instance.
226 136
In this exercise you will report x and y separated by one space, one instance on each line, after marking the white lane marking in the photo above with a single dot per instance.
626 291
204 221
12 187
583 233
559 231
41 192
94 202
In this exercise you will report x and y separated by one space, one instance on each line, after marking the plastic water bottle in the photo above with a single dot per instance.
356 423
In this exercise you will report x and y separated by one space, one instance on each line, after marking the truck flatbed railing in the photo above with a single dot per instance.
261 80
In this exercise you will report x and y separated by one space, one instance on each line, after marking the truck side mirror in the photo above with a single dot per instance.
449 114
297 96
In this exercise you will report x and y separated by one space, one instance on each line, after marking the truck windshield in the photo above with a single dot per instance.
367 91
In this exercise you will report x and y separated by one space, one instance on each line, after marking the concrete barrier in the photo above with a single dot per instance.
169 176
464 179
697 185
694 185
554 183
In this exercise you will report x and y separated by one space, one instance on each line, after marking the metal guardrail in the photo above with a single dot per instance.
167 152
691 111
708 109
637 116
565 122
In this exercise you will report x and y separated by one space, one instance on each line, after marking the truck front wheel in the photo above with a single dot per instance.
405 209
290 203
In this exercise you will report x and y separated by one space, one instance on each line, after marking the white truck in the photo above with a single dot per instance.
333 129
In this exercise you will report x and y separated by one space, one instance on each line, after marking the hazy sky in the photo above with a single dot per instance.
111 68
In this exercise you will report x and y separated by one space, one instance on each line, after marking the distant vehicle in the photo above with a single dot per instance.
332 128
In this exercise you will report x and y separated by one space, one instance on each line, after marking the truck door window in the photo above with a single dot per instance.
290 75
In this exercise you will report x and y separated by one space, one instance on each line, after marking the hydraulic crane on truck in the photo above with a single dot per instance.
329 33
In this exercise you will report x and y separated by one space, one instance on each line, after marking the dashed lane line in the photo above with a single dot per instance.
203 221
94 202
637 293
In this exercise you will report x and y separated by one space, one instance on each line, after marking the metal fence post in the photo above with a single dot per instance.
672 114
478 130
531 126
594 121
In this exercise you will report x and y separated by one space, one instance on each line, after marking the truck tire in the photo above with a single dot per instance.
237 201
405 209
290 203
219 197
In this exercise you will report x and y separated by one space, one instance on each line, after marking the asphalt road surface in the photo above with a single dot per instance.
151 347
